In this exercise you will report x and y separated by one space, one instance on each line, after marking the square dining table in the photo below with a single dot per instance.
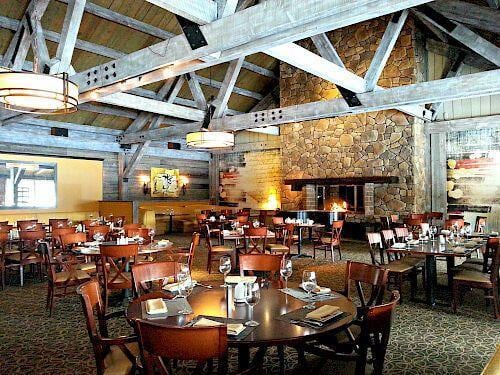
431 250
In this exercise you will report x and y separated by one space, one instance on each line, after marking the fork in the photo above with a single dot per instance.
307 323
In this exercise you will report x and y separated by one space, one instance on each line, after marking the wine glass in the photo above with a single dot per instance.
183 272
225 268
151 234
252 297
98 237
309 284
185 288
286 270
433 231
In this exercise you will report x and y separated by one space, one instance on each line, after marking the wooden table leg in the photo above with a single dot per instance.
431 277
243 357
450 264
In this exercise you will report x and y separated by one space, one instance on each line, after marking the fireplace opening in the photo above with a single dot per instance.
341 197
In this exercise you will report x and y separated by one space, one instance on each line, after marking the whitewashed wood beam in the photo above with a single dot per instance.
271 100
41 57
196 91
451 52
135 159
483 18
474 123
24 31
220 103
153 106
243 4
69 32
226 7
72 127
467 86
199 11
326 49
237 90
454 70
437 32
121 19
107 110
308 61
262 26
465 36
384 49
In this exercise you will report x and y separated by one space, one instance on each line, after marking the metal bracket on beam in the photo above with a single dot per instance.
193 33
350 97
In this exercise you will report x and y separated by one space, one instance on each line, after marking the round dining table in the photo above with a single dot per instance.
213 302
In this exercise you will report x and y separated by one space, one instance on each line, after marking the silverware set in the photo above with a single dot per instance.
307 323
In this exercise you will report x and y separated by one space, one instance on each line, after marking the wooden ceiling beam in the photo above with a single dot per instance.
199 11
451 52
483 18
262 26
228 83
468 86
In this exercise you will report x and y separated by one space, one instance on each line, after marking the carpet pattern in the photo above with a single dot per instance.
423 340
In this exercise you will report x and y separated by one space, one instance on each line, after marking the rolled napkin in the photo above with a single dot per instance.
322 312
156 306
233 329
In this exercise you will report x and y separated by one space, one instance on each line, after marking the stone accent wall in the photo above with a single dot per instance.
371 144
252 179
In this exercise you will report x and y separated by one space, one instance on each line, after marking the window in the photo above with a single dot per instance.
27 185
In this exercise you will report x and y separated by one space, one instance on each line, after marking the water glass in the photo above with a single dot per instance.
151 234
186 286
225 268
286 270
309 284
252 297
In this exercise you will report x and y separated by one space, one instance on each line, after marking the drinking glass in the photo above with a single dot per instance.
309 284
225 268
433 232
286 270
186 286
151 234
98 237
183 272
252 297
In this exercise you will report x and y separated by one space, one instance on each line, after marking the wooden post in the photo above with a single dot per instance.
122 187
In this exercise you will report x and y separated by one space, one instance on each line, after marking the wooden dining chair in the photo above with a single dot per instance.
450 223
102 229
373 336
159 344
482 265
116 276
149 277
480 224
4 243
242 220
113 355
215 252
186 254
141 232
6 227
284 244
401 233
365 276
61 275
399 270
70 240
268 263
58 223
479 280
28 252
56 236
329 240
90 223
27 224
255 240
131 226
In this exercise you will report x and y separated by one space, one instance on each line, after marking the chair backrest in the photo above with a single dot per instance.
401 232
255 239
480 223
394 218
4 240
58 223
29 238
6 227
131 226
26 224
270 263
73 239
58 232
277 220
119 258
376 329
375 242
242 219
363 275
288 231
420 217
90 223
146 275
385 221
454 222
413 222
388 235
141 232
4 223
179 343
200 218
495 264
337 226
195 241
102 229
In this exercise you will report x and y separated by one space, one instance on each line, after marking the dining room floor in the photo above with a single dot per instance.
423 340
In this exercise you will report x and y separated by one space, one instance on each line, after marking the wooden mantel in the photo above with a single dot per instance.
298 183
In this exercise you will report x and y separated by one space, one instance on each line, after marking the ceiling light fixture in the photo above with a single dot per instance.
37 93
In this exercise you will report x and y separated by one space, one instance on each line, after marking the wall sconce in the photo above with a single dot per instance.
146 188
184 180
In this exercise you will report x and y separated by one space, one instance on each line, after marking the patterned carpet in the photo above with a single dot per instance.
423 340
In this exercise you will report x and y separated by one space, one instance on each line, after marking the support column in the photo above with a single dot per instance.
214 179
310 197
438 172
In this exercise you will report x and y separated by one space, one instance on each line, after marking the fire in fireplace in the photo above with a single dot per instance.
341 198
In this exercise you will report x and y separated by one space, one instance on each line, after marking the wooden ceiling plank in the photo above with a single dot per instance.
199 11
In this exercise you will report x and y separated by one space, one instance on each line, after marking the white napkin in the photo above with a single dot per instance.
233 329
240 279
156 306
399 245
319 289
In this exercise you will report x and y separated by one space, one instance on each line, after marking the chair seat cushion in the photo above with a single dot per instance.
413 261
123 278
398 266
117 363
474 276
222 249
87 267
65 276
16 257
328 240
277 247
474 261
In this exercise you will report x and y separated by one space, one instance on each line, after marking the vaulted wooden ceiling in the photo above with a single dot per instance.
109 38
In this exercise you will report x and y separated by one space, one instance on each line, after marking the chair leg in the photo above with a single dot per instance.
456 293
413 281
3 278
494 294
51 304
281 356
21 275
